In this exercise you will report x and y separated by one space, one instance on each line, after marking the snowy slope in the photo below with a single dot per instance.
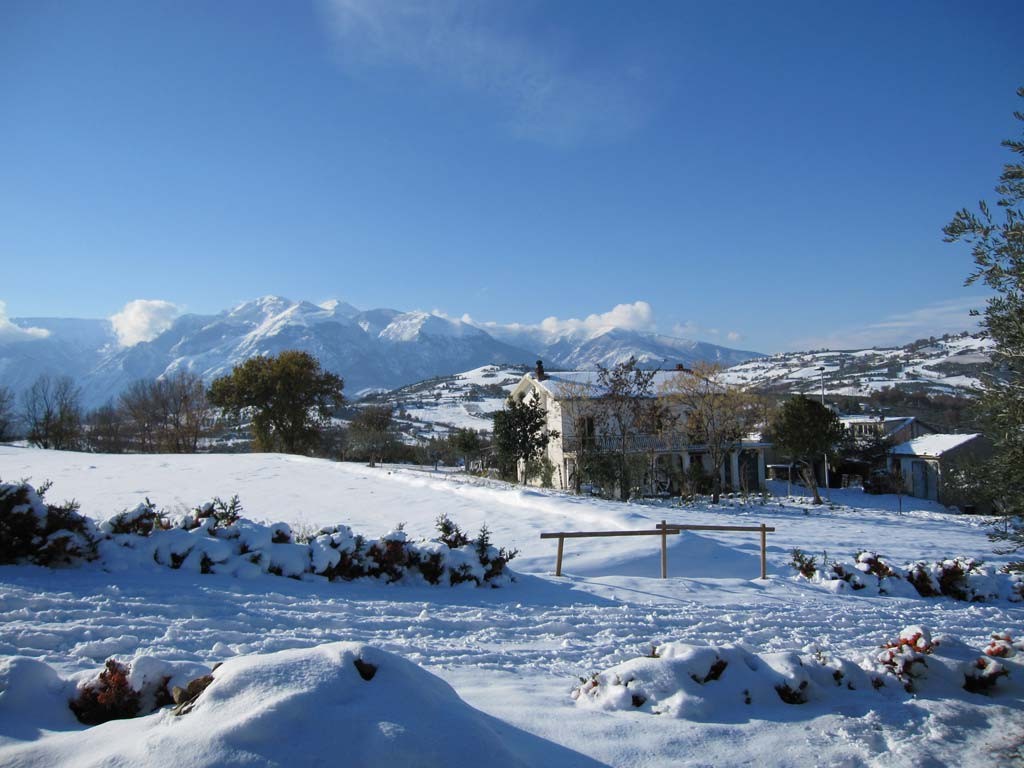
952 364
512 654
465 400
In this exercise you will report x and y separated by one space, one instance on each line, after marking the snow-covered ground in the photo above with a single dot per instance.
511 656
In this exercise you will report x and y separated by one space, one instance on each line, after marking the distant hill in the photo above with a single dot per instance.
948 365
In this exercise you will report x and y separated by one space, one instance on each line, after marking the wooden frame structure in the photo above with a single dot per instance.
664 530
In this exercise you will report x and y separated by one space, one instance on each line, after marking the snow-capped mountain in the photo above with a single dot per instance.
948 365
374 349
586 348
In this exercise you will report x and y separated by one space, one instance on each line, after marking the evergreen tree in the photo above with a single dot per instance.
467 444
372 433
804 430
997 245
521 435
288 396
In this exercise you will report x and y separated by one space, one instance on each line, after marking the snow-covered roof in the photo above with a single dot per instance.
932 445
866 418
565 383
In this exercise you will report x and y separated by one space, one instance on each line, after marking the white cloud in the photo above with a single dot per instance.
9 332
949 316
637 316
480 48
143 320
733 336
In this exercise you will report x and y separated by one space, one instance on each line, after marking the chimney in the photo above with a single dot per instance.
540 371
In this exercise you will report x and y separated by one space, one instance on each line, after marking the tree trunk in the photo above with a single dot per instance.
811 481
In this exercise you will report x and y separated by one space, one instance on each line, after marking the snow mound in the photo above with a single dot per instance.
340 703
732 684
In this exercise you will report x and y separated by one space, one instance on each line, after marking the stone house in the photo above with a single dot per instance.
570 399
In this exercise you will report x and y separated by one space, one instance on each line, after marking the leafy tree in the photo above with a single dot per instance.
715 415
803 430
997 245
289 397
53 413
371 432
521 435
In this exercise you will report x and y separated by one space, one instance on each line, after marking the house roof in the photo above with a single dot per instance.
932 445
866 418
562 384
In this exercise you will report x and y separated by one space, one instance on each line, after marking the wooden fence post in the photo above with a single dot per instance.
664 549
558 563
764 552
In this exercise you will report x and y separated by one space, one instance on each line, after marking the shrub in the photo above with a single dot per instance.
110 697
491 558
804 564
222 513
140 521
451 536
34 531
905 656
982 675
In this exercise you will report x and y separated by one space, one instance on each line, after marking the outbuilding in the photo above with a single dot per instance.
922 463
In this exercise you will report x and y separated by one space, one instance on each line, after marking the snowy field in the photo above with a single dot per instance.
469 674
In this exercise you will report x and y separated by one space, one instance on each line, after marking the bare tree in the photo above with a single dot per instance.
184 409
141 416
715 415
167 415
7 415
627 412
105 428
53 413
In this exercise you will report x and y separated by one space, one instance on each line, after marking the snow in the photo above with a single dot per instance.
466 671
932 445
861 372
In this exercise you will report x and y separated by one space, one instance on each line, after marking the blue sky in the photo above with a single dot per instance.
767 176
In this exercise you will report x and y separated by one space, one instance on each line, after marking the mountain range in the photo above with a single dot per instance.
375 349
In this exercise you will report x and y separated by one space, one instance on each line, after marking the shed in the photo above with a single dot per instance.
921 462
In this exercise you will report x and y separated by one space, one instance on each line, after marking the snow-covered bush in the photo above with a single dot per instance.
218 513
962 578
805 565
215 539
34 531
1003 646
983 674
109 697
727 683
140 521
905 656
141 686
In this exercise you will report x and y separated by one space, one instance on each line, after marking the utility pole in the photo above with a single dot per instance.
821 370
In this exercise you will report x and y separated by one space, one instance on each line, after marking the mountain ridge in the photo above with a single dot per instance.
376 349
